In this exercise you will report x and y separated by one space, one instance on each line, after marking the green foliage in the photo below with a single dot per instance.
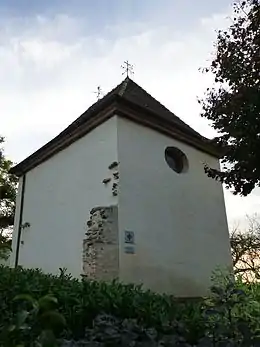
36 322
81 301
46 310
232 105
8 184
232 312
5 246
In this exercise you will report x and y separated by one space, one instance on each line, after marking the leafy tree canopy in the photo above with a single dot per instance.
232 105
8 184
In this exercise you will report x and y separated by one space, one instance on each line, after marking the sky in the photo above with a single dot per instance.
55 53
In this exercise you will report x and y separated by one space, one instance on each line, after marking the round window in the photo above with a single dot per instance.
176 159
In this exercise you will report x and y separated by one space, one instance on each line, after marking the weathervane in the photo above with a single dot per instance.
99 92
128 68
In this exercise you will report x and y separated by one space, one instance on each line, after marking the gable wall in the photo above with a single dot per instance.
179 220
59 195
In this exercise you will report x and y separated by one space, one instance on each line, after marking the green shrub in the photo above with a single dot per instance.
81 301
232 313
109 313
36 323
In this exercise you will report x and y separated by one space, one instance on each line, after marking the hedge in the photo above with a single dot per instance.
231 306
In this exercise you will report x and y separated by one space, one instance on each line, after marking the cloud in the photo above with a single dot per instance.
50 67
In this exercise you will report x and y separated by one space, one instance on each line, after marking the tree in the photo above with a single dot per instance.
245 248
232 105
8 185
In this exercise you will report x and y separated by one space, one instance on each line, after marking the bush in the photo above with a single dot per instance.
81 301
113 314
36 323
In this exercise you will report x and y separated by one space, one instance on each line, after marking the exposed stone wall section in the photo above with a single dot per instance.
113 178
100 246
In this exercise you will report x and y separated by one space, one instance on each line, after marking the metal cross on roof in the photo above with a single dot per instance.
128 68
99 92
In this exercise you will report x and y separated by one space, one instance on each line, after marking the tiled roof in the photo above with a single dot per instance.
135 97
132 92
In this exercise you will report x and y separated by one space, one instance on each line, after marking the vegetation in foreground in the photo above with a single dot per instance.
46 310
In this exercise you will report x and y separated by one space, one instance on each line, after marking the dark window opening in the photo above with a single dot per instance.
176 159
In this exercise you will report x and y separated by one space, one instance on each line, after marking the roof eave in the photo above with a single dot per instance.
112 105
168 129
65 138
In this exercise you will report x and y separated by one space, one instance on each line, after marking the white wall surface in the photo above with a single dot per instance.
59 195
179 220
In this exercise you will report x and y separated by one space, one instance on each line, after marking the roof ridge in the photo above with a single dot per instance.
161 105
123 85
101 100
129 92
